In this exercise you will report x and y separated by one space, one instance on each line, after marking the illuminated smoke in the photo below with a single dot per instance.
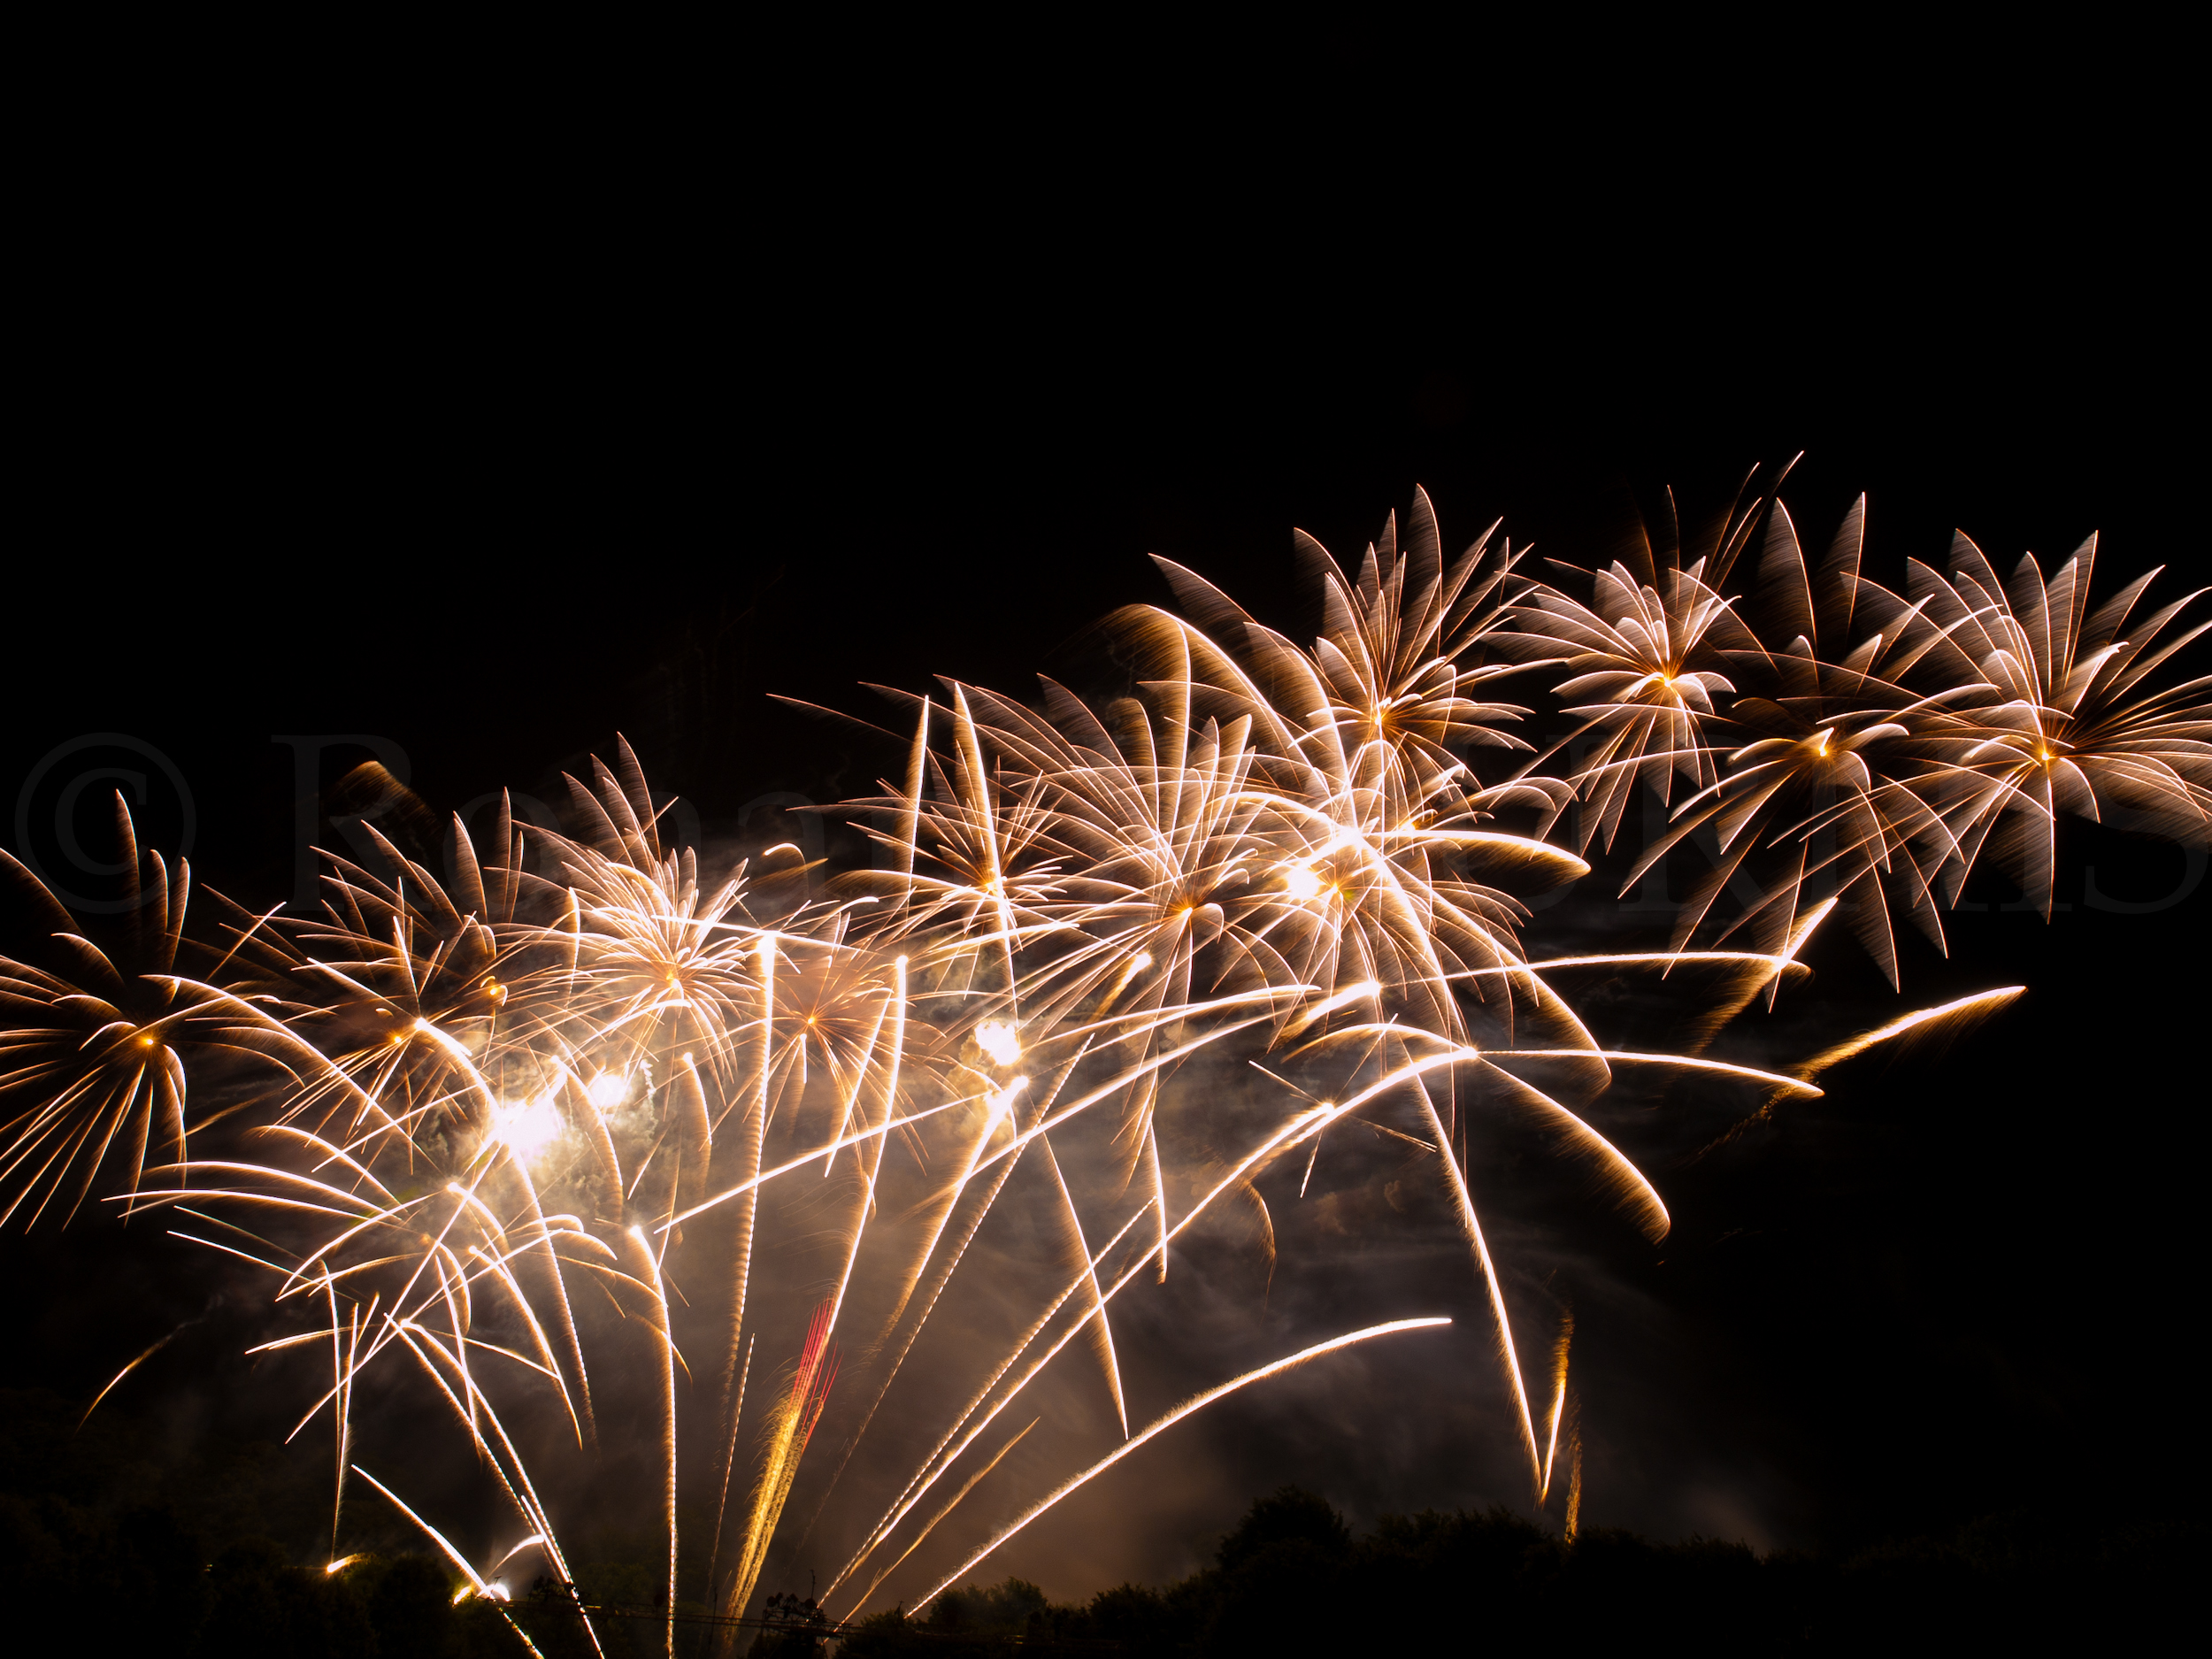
519 1139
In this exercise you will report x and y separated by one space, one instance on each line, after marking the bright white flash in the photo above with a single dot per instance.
609 1090
997 1039
527 1127
1301 882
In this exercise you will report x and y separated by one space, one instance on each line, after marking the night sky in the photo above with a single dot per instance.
1961 1282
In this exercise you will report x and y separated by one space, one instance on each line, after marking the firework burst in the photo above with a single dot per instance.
561 1151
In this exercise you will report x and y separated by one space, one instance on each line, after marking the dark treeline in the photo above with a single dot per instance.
122 1533
1292 1578
112 1540
132 1531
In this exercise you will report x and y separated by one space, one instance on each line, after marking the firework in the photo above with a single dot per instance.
565 1150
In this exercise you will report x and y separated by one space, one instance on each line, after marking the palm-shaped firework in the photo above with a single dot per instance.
2067 723
98 1035
578 1150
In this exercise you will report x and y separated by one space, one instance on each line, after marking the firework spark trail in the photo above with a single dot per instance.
1558 1399
517 1489
756 1131
946 1454
1104 1327
465 1113
475 1580
341 1381
791 1427
1196 1403
864 1205
1572 1521
1637 1193
922 1533
1471 1226
664 1329
945 1202
109 1387
907 1281
735 1413
1965 1008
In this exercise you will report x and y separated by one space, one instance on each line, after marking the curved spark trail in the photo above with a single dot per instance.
525 1138
1196 1403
